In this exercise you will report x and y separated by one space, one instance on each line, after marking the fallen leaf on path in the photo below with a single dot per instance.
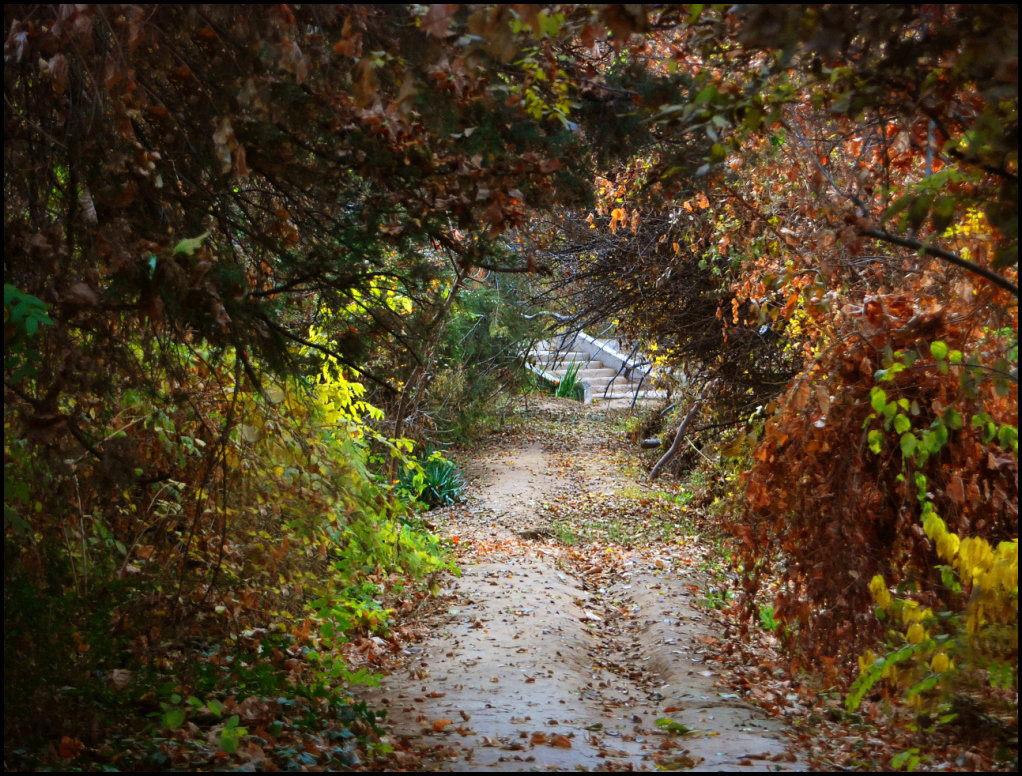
439 725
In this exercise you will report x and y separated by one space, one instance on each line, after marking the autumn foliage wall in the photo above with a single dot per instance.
821 224
224 226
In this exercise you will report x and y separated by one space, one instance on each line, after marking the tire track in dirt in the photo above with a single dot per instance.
555 657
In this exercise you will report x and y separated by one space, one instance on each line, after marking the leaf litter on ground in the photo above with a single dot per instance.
577 606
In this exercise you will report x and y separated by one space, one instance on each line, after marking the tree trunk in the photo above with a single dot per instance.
680 435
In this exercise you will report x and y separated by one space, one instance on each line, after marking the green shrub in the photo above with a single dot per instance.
434 482
480 363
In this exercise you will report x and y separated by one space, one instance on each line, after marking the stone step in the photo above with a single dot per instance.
547 357
586 373
601 382
621 393
563 365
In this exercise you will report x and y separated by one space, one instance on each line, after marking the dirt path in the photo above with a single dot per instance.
573 628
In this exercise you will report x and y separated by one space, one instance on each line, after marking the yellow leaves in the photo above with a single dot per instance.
380 290
975 558
1005 570
881 595
948 545
992 574
915 633
940 663
403 444
867 659
911 613
933 525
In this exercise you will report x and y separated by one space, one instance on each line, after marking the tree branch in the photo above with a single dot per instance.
905 242
940 253
329 352
542 269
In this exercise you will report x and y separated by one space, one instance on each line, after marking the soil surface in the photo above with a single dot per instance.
575 638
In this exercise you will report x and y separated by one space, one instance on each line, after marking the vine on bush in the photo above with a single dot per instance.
911 390
975 638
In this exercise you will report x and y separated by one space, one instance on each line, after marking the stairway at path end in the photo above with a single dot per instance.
618 382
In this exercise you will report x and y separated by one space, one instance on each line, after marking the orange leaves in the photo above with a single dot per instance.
617 216
560 741
955 488
350 43
823 398
301 634
699 200
367 83
70 748
557 740
801 395
81 645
